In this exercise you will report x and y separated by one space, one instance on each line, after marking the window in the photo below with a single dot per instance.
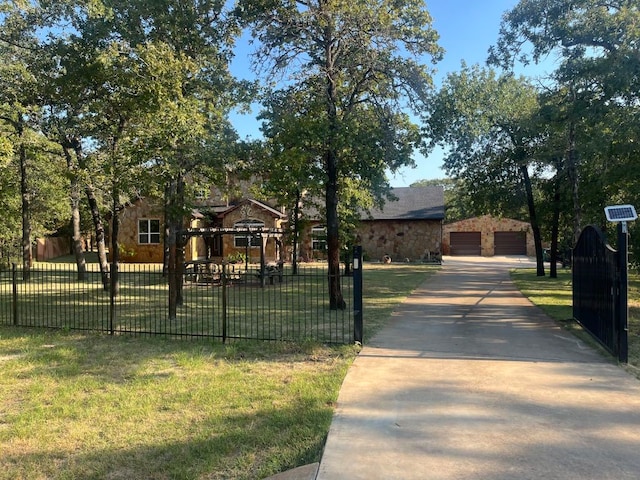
148 231
319 238
241 241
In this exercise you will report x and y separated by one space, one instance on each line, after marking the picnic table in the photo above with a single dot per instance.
271 271
202 271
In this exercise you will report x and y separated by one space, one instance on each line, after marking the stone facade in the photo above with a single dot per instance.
400 239
271 252
487 226
130 248
132 251
408 228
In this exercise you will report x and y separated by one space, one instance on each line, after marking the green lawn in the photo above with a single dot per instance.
116 407
554 296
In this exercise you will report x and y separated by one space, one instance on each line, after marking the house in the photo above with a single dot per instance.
218 231
487 236
408 227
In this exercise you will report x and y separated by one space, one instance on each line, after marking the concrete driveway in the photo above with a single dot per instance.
469 380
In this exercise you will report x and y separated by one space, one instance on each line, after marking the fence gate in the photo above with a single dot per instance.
597 291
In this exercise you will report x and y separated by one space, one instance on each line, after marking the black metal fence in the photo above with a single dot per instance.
597 289
235 303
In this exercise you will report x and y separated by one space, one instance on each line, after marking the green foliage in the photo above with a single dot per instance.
591 103
136 92
349 69
236 257
484 121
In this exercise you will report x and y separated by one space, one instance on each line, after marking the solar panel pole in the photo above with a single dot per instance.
622 214
623 304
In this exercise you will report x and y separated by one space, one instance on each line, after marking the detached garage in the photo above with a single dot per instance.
510 243
466 243
488 236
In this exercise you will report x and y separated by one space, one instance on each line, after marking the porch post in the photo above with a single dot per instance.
263 269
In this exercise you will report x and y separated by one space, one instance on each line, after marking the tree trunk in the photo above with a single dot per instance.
296 231
77 234
78 252
165 242
98 226
533 219
96 218
555 227
115 221
180 242
175 242
115 245
572 170
336 300
27 258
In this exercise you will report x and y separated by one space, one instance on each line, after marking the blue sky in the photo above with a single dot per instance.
467 29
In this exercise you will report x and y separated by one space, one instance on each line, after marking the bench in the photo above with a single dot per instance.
272 271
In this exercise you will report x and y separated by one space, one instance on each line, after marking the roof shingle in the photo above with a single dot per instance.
413 203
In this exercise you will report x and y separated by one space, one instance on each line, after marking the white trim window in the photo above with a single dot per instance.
240 240
319 238
148 231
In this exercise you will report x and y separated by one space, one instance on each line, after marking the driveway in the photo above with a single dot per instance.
469 380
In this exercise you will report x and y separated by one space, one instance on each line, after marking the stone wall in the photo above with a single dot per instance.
487 225
237 215
400 239
414 240
133 252
130 249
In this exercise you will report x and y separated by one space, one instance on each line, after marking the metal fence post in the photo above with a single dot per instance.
357 294
14 299
112 297
223 281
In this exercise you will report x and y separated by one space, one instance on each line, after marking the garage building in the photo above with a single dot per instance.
488 236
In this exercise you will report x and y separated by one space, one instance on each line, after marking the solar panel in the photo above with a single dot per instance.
620 213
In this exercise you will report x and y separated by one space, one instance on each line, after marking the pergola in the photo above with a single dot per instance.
264 234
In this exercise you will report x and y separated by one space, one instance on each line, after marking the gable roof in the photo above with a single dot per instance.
413 203
261 205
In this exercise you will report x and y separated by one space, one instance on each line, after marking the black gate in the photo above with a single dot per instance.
597 291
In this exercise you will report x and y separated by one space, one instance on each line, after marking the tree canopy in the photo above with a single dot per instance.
356 67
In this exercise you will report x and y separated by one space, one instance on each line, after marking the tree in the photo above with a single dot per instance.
34 161
359 64
599 72
137 95
486 123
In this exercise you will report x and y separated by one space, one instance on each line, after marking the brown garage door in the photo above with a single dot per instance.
510 243
465 243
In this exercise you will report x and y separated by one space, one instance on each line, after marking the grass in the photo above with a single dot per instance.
117 407
293 309
554 296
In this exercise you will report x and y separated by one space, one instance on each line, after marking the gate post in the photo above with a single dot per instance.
14 295
623 306
357 294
